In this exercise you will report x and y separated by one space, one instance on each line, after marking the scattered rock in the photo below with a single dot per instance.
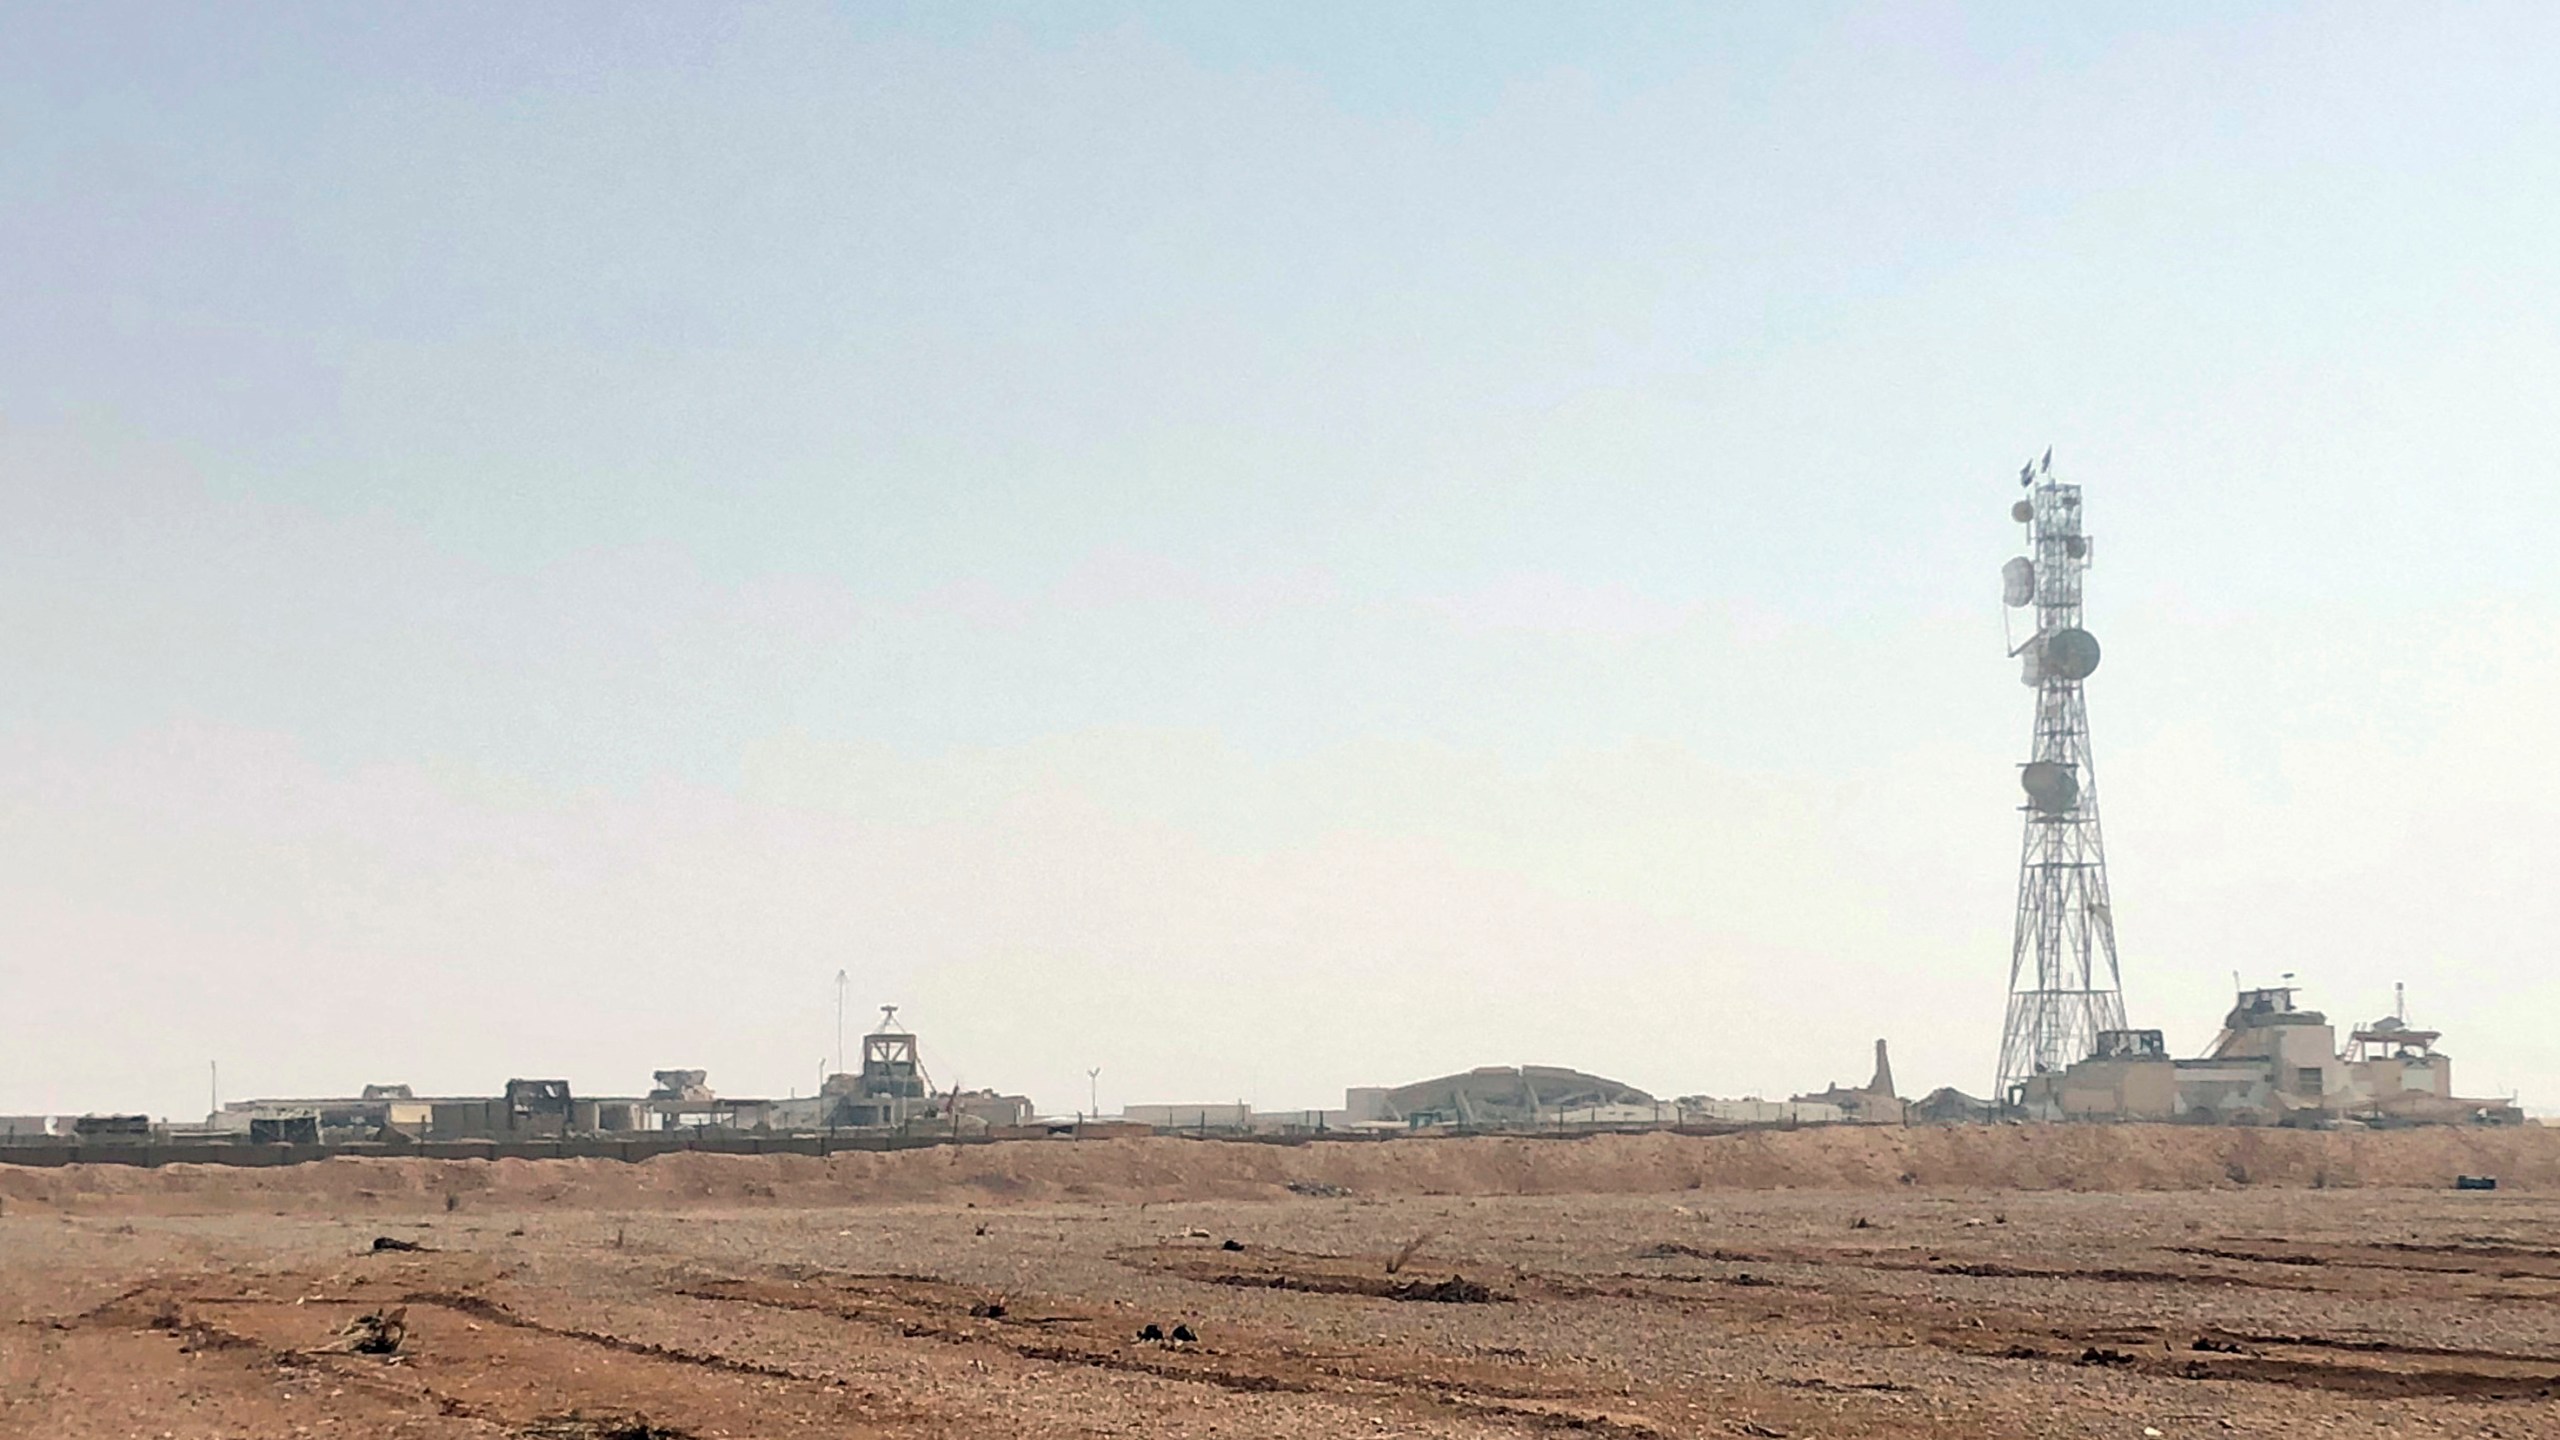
1230 1244
987 1310
1182 1335
1152 1331
2096 1355
394 1242
378 1332
1317 1188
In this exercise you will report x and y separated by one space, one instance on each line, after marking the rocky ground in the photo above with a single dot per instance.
1901 1310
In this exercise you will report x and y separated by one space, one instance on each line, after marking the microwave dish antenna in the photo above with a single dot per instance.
2071 653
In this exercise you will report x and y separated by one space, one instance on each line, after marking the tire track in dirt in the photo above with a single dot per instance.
2380 1369
429 1373
917 1308
160 1307
2498 1263
2294 1271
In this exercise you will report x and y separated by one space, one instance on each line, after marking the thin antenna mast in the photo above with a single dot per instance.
842 980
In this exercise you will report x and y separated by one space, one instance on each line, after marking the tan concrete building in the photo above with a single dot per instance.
2130 1078
1873 1103
2273 1063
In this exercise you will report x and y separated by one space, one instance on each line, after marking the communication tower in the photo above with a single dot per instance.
2064 989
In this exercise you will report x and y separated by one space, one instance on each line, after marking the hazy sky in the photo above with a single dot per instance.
1261 548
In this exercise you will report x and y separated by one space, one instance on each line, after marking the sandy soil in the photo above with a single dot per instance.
2093 1157
802 1298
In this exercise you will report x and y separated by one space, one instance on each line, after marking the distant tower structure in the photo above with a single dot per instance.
2064 989
893 1077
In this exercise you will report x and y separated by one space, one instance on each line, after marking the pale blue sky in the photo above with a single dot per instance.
1264 548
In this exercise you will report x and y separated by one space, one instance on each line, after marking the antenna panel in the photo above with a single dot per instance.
2018 582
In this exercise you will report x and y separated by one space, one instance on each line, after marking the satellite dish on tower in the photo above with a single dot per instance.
2022 512
2018 582
2071 654
2051 787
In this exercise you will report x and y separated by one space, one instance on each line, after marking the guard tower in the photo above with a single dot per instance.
2064 989
892 1077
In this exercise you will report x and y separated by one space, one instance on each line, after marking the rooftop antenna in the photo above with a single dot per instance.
1093 1078
842 980
2400 1001
2064 986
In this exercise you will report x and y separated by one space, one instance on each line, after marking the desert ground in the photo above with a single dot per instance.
2112 1282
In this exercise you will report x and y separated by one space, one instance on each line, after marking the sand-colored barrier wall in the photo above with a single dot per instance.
2092 1157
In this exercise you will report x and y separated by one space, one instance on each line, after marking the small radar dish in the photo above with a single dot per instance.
2018 582
2022 512
2050 786
2071 654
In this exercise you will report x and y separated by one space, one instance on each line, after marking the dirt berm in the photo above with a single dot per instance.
2094 1157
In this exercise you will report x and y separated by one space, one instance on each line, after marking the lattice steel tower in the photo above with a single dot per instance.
2063 984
